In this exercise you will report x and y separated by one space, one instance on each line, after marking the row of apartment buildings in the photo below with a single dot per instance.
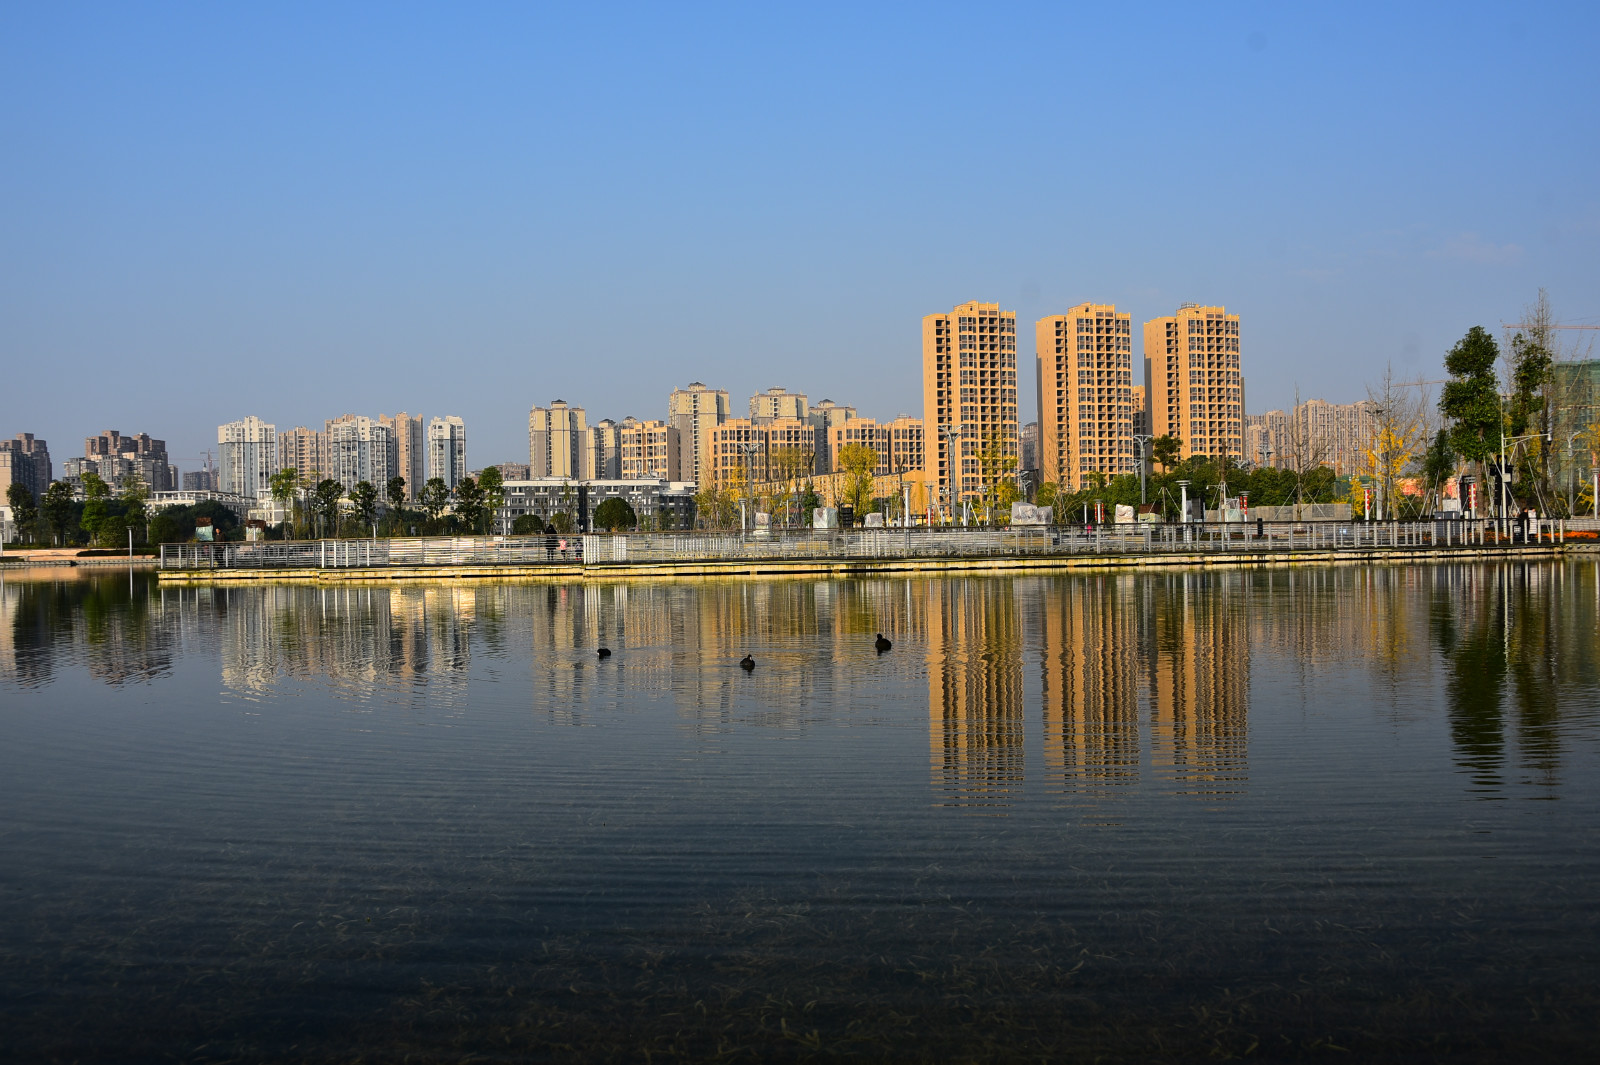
784 437
1094 407
349 449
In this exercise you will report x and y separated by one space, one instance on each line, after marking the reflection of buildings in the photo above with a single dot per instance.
975 690
1199 683
1089 635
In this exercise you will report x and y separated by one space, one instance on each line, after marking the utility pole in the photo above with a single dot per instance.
951 434
1143 443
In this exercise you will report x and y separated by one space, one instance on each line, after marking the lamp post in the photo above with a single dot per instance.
1183 502
1142 442
750 448
951 434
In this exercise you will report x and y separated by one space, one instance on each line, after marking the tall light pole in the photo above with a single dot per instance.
951 434
750 448
1142 441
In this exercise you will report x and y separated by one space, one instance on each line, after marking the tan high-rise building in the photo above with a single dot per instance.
602 459
1196 388
765 452
969 382
899 444
410 449
556 438
823 417
778 403
306 452
1085 374
648 449
694 412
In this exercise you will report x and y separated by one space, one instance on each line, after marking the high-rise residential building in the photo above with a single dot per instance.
359 449
823 417
969 394
694 412
648 449
447 450
899 444
137 456
557 439
199 481
776 450
1085 374
305 451
1028 447
410 458
602 459
24 460
908 446
249 456
1141 411
1196 386
778 403
1264 436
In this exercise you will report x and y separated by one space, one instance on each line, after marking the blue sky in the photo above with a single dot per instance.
208 211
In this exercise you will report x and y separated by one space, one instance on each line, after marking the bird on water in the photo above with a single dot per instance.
604 652
747 663
881 644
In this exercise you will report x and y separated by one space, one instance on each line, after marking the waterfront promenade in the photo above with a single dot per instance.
862 551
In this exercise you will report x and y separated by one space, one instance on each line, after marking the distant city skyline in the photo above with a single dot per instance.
603 205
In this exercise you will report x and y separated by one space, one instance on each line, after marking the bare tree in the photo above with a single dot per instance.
1398 436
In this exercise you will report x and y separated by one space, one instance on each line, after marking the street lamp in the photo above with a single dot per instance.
951 434
750 448
1142 442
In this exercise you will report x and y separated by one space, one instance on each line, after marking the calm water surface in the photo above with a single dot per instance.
1329 813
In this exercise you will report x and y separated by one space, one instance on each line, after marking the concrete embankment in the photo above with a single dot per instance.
856 567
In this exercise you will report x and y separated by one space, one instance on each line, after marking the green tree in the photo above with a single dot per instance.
809 502
97 512
394 490
615 514
493 486
1471 398
365 497
470 508
1439 462
561 521
325 502
57 507
23 511
527 525
282 485
434 498
1165 450
134 513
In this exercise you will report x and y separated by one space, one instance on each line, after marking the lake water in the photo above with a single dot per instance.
1269 814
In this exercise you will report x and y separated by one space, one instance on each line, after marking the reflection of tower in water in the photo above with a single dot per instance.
975 690
1199 682
1088 630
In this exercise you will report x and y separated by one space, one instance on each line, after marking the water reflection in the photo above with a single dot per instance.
1103 680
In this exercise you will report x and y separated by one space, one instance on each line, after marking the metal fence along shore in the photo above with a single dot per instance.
605 550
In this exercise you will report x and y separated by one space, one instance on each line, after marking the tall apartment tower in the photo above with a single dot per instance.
602 456
305 451
969 395
778 403
648 449
447 450
24 460
557 440
694 412
1085 367
249 456
410 459
359 449
1196 389
823 417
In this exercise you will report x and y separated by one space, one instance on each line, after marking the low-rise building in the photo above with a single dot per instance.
548 496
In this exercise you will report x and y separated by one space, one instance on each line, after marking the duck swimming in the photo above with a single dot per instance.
747 663
881 644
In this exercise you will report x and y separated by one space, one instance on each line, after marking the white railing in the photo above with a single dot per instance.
932 543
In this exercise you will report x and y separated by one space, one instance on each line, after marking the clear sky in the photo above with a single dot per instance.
294 211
